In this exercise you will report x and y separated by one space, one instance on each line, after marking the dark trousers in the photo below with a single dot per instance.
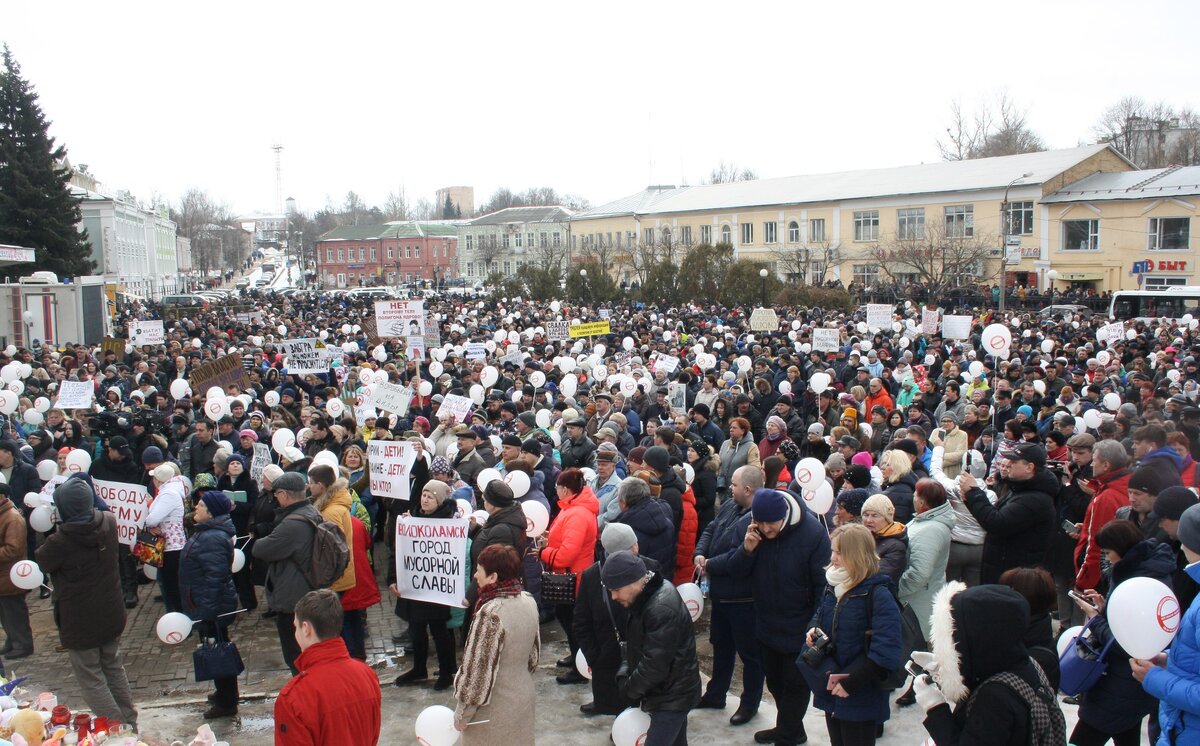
14 617
226 688
1087 735
284 623
850 732
354 632
243 581
606 695
168 579
127 567
667 728
790 691
731 631
443 643
565 613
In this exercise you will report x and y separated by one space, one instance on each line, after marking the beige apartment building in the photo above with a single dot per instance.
1084 212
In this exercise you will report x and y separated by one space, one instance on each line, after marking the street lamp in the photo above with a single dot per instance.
1052 276
1005 227
583 279
762 273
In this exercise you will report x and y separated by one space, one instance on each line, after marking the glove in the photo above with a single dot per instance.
929 694
927 661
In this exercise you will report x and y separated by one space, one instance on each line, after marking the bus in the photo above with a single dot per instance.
1170 302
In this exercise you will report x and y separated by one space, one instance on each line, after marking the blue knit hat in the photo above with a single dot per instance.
769 506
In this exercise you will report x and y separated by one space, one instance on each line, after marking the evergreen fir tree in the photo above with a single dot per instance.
37 209
447 209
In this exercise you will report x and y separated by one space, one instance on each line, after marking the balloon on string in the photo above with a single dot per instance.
1039 386
997 339
630 727
627 343
489 375
46 469
537 379
41 519
865 345
173 627
282 438
8 402
1080 425
486 477
477 393
1047 345
819 382
179 388
225 445
425 388
464 507
271 398
379 353
434 368
481 517
1173 375
689 473
1112 401
1103 357
569 383
26 575
239 560
809 473
33 417
581 665
335 407
536 517
518 482
78 460
435 726
819 500
600 372
1144 616
215 409
42 404
17 387
10 372
1092 418
785 387
542 418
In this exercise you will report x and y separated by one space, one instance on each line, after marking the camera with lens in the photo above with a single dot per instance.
821 648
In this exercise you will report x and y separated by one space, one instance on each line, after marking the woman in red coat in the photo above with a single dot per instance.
361 597
685 545
570 547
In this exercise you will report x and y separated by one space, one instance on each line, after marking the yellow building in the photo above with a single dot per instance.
909 223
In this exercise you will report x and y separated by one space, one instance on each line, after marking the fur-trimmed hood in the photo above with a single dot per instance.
338 493
977 633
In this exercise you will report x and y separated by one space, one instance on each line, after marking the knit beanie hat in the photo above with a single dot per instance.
618 537
850 412
1173 501
778 422
880 504
815 429
852 501
440 489
862 458
272 472
498 493
1188 532
75 501
858 475
769 505
622 569
658 458
1151 480
217 502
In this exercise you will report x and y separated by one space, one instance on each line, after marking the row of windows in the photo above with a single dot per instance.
910 222
485 269
546 239
1162 234
410 252
365 278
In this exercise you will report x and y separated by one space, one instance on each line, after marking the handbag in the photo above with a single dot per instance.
217 659
1083 662
149 547
558 587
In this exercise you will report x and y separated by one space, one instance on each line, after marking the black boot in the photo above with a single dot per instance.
411 676
908 699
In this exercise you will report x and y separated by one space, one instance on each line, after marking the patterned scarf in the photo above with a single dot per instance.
499 589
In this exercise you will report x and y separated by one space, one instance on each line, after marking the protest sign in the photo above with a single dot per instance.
764 320
605 314
113 345
666 363
929 321
476 351
431 560
76 395
52 484
391 466
590 330
414 346
879 316
516 358
956 327
303 357
400 318
364 407
224 372
1112 333
457 406
677 396
128 503
250 318
262 459
826 340
558 331
433 335
391 397
371 329
147 332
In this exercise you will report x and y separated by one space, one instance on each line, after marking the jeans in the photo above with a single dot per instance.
101 676
790 691
168 579
850 732
285 624
354 632
731 631
667 728
14 616
964 563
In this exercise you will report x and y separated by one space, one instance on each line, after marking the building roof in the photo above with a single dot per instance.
1155 183
549 214
924 178
394 229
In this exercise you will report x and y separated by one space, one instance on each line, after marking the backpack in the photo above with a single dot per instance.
330 553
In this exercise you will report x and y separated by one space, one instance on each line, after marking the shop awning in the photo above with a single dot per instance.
1080 276
10 255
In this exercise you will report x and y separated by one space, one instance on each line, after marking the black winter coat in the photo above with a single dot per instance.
663 672
672 494
704 487
506 527
206 571
423 611
1018 526
125 471
901 494
893 556
82 557
720 540
651 522
998 716
243 512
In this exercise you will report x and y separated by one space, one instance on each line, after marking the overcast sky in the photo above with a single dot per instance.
593 98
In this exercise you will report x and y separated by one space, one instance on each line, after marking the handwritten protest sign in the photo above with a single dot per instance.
1112 333
558 331
476 351
400 318
433 334
113 345
929 321
224 372
76 395
391 397
956 327
430 560
262 459
826 340
303 357
414 347
590 330
457 406
129 504
677 396
147 332
391 467
605 314
879 316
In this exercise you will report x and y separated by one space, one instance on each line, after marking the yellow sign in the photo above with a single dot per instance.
593 329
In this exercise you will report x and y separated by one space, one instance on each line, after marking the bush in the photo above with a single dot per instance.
807 297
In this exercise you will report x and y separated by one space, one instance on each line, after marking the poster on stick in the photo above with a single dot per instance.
391 467
400 318
431 560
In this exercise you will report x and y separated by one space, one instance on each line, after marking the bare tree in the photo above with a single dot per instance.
936 257
424 209
1001 128
396 206
727 171
802 262
1152 135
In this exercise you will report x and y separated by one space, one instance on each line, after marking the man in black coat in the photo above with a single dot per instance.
22 479
117 465
660 671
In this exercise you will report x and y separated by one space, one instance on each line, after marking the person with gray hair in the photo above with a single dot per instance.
1111 467
650 519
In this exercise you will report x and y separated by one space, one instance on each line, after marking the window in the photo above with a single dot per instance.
769 231
816 230
508 266
470 242
504 241
341 278
1168 234
685 235
666 236
706 234
747 233
341 255
391 252
545 242
557 239
417 252
1158 283
910 223
726 234
408 276
866 274
372 253
817 272
470 269
362 254
793 232
329 255
648 236
572 242
529 243
866 225
1081 235
960 221
492 241
518 240
408 252
608 239
1020 218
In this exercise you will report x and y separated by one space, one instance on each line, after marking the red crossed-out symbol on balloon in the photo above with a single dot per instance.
24 569
1168 614
803 476
998 342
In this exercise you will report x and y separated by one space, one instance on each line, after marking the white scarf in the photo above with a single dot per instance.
839 578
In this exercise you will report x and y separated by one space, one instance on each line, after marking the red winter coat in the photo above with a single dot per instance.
1113 493
334 699
365 592
572 541
685 546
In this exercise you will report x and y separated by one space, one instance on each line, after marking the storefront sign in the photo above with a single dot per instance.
1159 265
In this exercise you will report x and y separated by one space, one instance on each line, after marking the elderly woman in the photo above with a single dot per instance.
570 547
165 518
242 491
776 431
494 687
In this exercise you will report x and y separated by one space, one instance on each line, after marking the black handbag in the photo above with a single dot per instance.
217 659
558 587
911 638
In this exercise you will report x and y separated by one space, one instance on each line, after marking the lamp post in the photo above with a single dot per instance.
1005 227
583 278
1051 277
762 273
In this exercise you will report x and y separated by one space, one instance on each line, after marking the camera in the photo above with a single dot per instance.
821 648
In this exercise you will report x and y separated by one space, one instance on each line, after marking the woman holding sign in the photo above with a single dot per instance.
165 518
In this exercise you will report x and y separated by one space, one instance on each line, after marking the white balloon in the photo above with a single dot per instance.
42 404
215 392
489 375
477 393
485 477
1103 357
16 387
518 482
1039 386
997 339
630 727
180 389
464 507
569 383
379 353
481 517
809 473
1112 401
46 470
425 388
1092 418
976 368
819 500
78 460
537 379
33 417
689 473
435 726
10 372
1067 638
173 627
26 575
1048 345
150 571
785 387
581 665
819 382
627 343
1144 616
536 517
566 364
542 418
282 438
271 398
239 560
693 599
8 402
225 445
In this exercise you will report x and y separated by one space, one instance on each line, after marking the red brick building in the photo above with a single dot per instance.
389 254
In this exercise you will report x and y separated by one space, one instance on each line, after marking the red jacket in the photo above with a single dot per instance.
685 547
572 541
365 592
1113 493
334 699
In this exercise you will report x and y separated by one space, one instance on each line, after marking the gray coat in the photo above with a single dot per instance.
288 550
928 552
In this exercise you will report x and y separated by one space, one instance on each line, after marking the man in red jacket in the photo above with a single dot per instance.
1110 464
334 698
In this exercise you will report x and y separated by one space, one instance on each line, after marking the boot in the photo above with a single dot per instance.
411 676
908 699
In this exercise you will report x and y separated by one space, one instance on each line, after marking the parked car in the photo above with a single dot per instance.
1081 312
190 300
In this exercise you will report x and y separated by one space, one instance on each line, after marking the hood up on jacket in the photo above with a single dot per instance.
1168 453
337 494
977 633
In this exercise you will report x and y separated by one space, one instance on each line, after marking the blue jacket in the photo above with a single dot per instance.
651 522
206 570
787 574
720 541
1177 687
851 655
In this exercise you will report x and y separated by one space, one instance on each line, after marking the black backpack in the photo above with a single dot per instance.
330 553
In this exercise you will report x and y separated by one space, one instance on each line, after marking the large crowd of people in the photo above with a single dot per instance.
901 498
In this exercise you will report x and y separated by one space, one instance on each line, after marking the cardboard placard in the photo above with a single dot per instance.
391 467
261 460
431 559
956 327
558 331
147 333
826 340
75 395
225 371
929 321
879 316
391 397
113 345
129 504
458 406
475 351
303 356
